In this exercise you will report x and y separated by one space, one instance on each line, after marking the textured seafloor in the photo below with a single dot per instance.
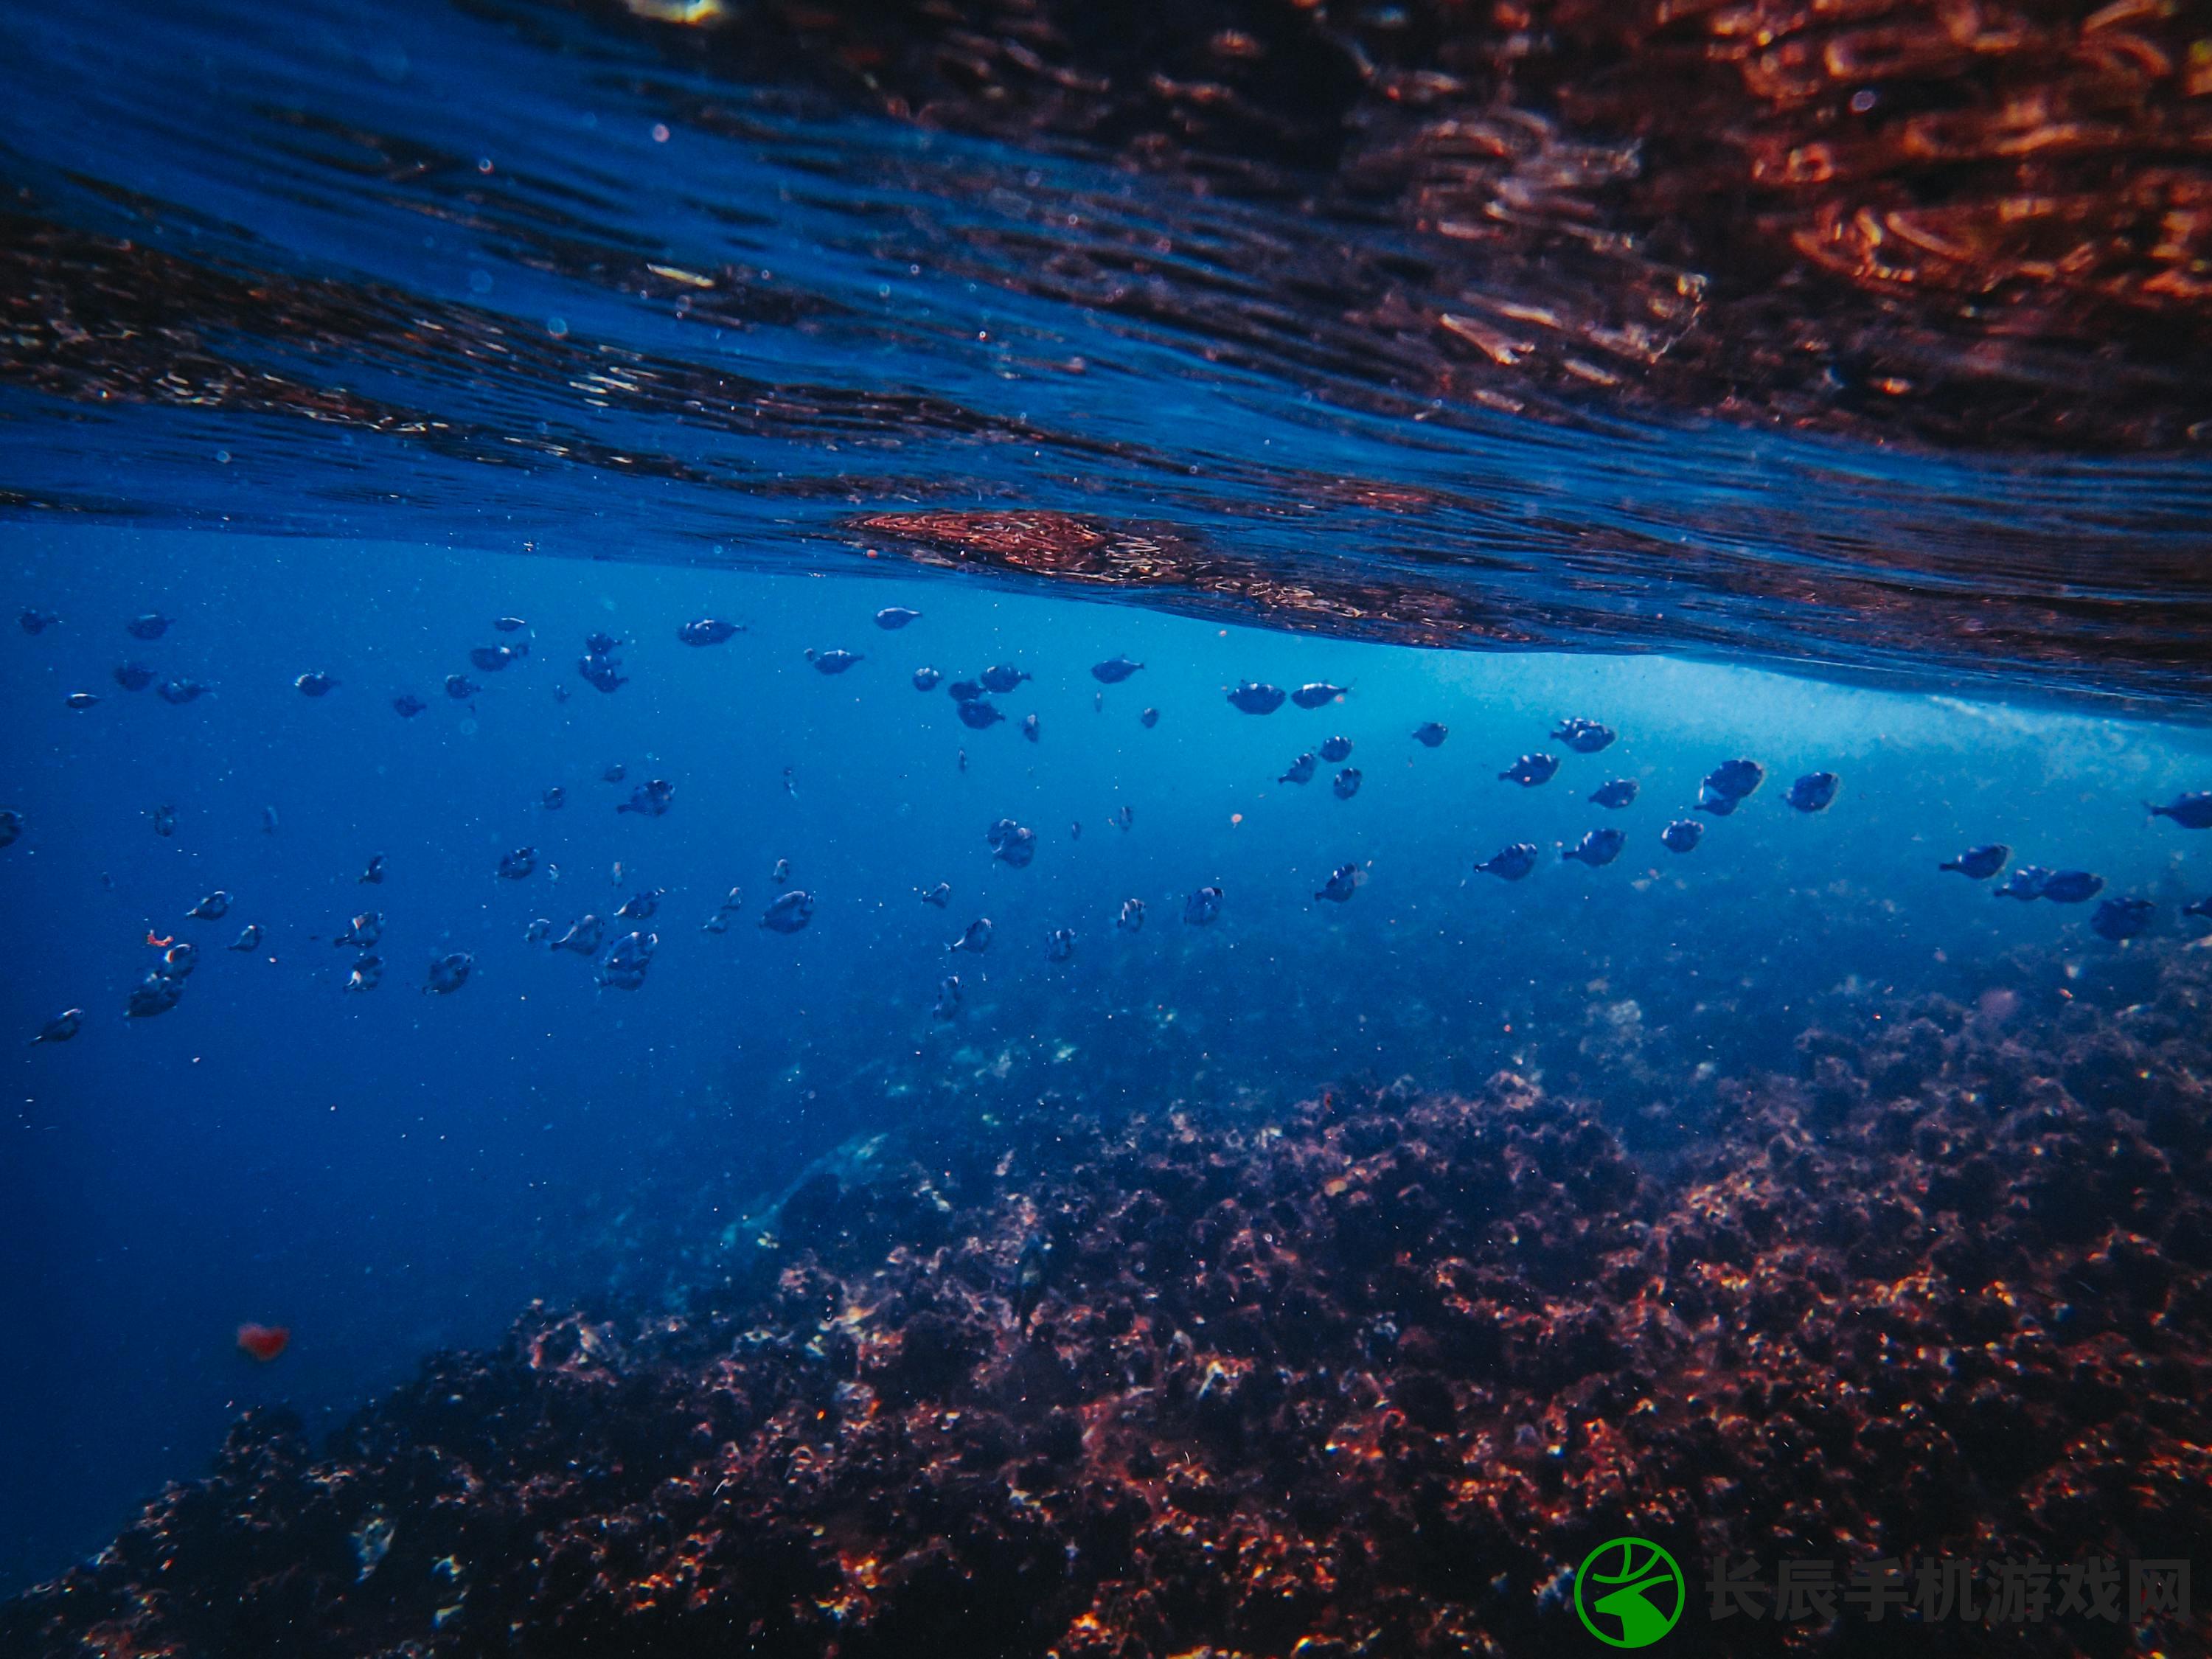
1361 1380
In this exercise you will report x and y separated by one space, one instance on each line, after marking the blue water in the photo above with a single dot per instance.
487 402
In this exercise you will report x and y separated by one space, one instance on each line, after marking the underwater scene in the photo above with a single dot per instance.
1265 830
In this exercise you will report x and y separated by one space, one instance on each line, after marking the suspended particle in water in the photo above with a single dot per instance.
263 1342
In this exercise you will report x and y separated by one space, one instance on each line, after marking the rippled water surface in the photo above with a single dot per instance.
1762 382
540 282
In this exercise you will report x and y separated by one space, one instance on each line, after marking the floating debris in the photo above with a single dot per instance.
264 1343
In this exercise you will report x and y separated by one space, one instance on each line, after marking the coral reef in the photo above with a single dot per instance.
1370 1379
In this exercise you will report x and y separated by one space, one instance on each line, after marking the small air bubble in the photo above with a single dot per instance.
660 132
557 327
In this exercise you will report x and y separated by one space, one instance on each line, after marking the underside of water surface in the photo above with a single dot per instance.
1003 828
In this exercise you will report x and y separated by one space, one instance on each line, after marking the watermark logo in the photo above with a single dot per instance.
1629 1593
1937 1589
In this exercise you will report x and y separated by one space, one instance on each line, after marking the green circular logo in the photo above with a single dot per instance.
1632 1584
